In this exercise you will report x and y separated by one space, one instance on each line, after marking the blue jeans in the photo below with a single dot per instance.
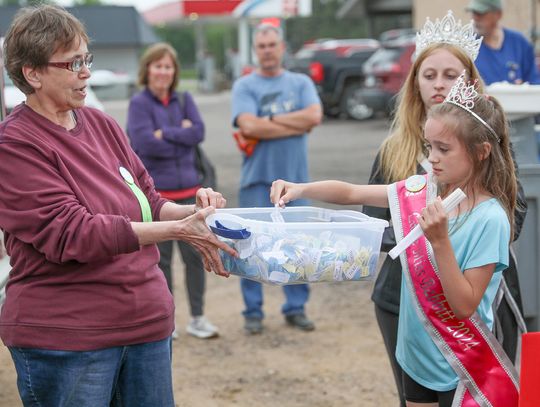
296 295
124 376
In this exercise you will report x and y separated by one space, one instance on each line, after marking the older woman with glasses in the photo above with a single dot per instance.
88 315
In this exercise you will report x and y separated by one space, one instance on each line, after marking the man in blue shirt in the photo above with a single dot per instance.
505 55
277 109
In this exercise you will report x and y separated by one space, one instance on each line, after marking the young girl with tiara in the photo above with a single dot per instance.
444 48
451 274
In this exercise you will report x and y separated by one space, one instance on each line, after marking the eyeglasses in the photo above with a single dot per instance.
75 65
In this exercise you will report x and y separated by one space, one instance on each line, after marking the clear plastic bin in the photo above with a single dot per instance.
311 244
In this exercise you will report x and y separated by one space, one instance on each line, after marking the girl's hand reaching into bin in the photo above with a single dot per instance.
283 192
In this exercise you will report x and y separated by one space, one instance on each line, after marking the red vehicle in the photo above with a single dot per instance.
385 72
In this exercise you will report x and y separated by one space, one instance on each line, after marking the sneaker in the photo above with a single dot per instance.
300 321
201 328
253 326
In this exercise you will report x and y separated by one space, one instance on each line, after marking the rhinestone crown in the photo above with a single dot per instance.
448 31
463 95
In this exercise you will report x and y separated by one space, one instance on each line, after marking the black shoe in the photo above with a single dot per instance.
253 326
300 321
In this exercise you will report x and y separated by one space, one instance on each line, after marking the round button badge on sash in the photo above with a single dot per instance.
415 183
126 175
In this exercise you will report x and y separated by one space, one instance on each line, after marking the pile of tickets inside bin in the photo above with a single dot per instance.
308 245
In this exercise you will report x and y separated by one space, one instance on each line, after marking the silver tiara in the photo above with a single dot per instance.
463 95
448 31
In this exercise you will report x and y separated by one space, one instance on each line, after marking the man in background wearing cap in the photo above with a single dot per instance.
505 55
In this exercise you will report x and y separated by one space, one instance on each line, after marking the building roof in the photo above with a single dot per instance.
107 26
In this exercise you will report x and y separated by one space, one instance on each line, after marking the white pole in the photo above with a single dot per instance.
244 50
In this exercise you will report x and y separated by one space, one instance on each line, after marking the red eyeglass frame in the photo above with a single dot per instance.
67 65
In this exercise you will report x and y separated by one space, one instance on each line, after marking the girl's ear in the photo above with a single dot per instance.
484 151
32 76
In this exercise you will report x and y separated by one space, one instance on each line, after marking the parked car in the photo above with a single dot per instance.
335 66
110 85
13 96
385 72
397 34
105 78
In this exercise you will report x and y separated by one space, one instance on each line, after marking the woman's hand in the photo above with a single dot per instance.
181 222
283 192
194 231
186 123
434 222
208 197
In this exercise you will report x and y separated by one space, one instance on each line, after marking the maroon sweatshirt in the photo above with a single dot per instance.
80 280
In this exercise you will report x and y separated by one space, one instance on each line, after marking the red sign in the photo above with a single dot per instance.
209 7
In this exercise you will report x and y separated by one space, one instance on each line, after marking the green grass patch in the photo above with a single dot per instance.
188 73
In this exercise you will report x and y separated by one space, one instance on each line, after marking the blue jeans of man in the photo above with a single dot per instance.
296 295
124 376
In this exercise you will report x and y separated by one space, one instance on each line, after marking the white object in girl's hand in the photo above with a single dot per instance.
276 215
449 203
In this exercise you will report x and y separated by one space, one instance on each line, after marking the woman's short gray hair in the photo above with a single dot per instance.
35 35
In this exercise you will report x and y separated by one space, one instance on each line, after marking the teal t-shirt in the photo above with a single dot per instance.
482 239
261 96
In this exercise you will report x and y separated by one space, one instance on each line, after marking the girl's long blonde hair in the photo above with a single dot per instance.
400 150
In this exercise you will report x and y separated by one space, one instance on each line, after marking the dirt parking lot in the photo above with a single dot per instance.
342 363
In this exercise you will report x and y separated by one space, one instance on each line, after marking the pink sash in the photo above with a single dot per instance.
486 375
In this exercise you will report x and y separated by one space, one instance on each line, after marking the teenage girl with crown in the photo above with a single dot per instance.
452 273
443 50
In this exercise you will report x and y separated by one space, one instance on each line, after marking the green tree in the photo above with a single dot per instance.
183 41
219 38
87 2
323 24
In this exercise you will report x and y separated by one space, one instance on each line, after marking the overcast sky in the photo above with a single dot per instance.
141 5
